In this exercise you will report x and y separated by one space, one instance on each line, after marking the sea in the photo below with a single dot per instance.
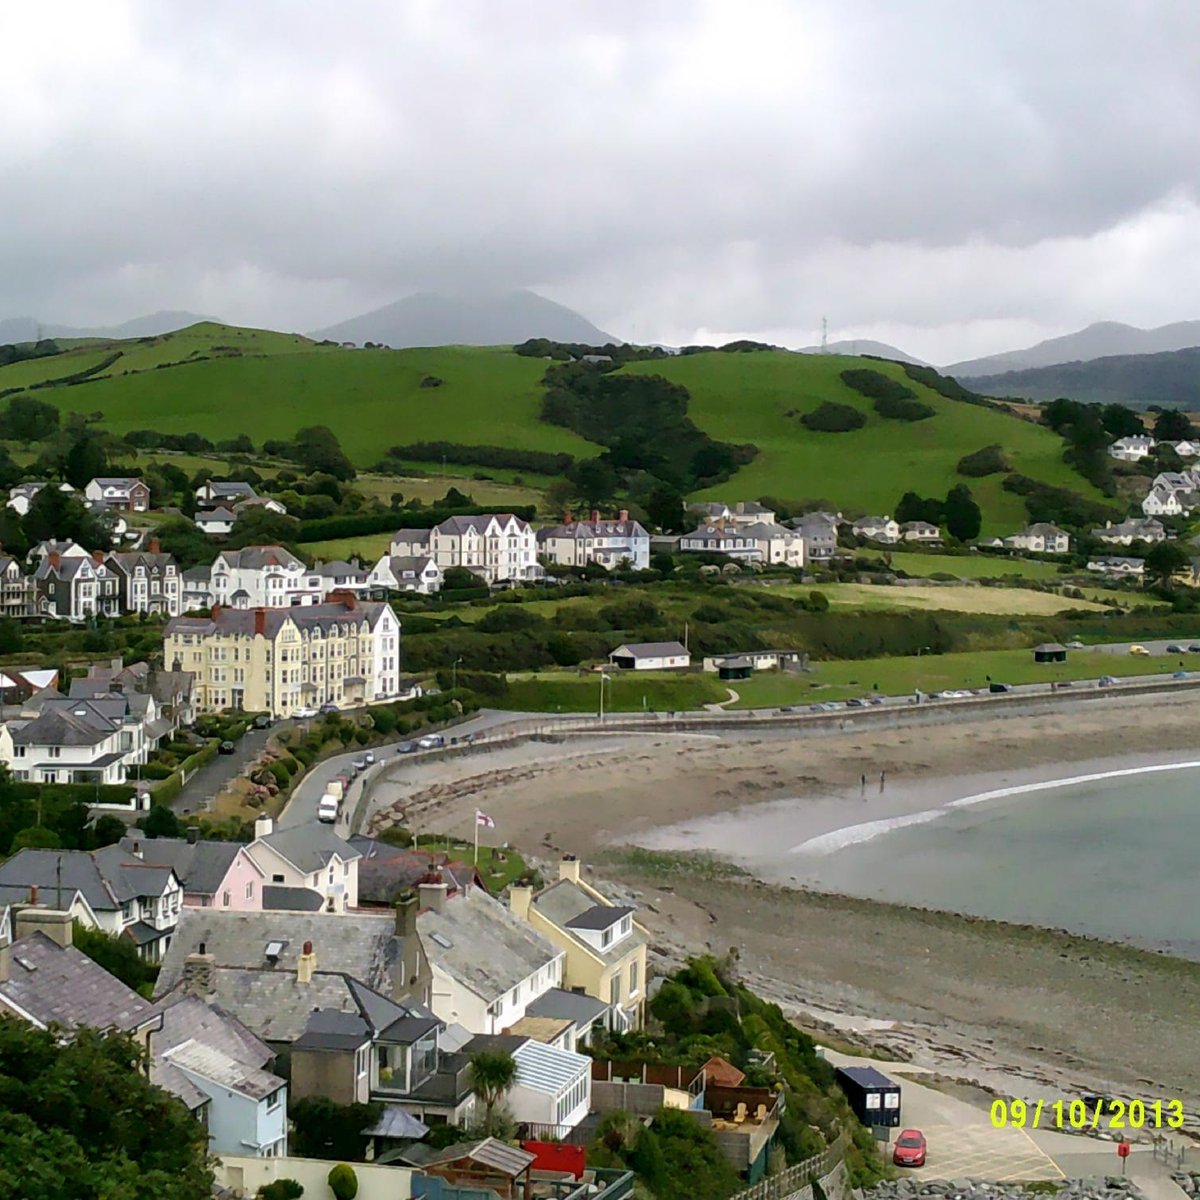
1115 857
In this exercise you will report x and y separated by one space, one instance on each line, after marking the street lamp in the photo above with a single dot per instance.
603 680
454 674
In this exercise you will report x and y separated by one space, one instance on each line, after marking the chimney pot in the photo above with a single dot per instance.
569 868
306 964
308 947
137 849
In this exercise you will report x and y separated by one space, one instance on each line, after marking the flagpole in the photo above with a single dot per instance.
476 839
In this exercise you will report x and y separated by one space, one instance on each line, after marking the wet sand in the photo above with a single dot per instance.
1061 1011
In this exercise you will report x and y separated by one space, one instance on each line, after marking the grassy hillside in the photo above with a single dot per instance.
371 398
760 397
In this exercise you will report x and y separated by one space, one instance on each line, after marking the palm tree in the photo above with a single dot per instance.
493 1072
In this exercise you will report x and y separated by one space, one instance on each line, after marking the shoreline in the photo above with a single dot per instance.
1012 1007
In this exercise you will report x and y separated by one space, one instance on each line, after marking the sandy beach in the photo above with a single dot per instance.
998 1003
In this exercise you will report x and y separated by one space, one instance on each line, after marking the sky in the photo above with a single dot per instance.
952 178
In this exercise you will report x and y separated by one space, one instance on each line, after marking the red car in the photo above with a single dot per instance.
910 1149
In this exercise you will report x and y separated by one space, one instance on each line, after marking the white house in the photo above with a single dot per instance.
1040 538
608 544
921 531
1132 449
777 545
496 546
744 512
651 656
877 529
1164 501
1124 568
407 573
216 522
307 856
726 538
1134 529
487 964
1186 449
553 1086
263 577
216 492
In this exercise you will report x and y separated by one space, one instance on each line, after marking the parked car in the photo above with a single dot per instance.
1074 645
431 740
1107 680
999 687
406 748
788 708
369 757
1193 649
433 691
1140 650
910 1149
303 714
874 699
262 721
329 707
226 748
327 809
1180 675
856 702
1174 649
360 764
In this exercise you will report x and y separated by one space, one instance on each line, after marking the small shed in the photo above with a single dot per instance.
873 1097
488 1163
651 656
1050 652
735 668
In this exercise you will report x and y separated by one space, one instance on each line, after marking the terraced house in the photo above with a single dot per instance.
149 581
495 546
608 544
280 660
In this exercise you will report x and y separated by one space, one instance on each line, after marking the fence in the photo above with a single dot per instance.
798 1176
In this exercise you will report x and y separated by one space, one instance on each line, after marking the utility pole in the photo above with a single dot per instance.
824 335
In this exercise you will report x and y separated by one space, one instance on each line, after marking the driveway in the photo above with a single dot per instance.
198 792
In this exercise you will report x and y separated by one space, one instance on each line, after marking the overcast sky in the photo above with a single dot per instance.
953 176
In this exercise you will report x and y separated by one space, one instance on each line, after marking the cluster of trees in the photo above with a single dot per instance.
958 512
537 461
832 417
946 386
991 460
1060 506
741 346
567 351
15 352
315 448
890 397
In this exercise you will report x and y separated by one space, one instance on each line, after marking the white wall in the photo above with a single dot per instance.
247 1175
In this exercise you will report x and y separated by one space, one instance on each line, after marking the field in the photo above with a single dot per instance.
759 397
368 548
996 600
970 566
937 672
634 691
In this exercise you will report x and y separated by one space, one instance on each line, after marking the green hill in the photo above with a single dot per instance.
760 398
220 381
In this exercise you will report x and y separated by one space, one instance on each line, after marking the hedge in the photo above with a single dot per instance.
170 787
84 793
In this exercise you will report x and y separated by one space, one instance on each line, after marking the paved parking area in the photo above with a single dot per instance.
977 1151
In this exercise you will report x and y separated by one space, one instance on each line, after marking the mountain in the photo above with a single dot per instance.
28 329
1106 339
467 319
864 346
1171 380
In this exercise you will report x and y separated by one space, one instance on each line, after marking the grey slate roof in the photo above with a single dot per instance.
221 1069
460 525
599 916
291 899
329 1029
569 1006
106 878
305 616
362 945
200 867
254 558
57 986
309 847
394 1122
483 945
653 649
565 904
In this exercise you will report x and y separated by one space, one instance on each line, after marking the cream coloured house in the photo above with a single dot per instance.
605 947
279 660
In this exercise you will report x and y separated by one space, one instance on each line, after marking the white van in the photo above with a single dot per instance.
327 810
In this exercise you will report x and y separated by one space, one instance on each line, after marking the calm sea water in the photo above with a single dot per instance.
1118 859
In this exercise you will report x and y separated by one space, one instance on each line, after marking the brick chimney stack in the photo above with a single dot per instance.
155 546
568 518
595 515
260 622
623 515
348 600
306 964
198 971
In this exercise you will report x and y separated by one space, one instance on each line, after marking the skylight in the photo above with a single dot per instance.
442 940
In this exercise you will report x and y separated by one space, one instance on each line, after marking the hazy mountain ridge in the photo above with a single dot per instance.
475 319
1104 339
29 329
864 346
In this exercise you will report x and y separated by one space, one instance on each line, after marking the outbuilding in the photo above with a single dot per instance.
651 656
1050 652
735 668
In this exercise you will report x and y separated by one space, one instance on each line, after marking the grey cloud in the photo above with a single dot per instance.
937 167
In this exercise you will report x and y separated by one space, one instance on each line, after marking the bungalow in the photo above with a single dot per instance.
1040 538
651 656
921 531
1119 567
129 494
1133 529
216 522
760 660
1132 449
407 573
877 529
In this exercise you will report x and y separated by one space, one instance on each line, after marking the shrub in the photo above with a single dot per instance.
897 408
281 773
281 1189
343 1182
991 460
833 418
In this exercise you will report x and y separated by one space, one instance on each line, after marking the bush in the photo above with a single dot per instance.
896 408
343 1182
281 1189
833 418
281 773
892 399
991 460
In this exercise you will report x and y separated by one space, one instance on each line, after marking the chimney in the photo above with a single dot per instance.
137 849
409 974
306 964
55 559
623 515
263 826
348 600
568 518
519 900
54 923
33 893
115 664
260 622
432 894
198 972
5 960
193 835
569 868
595 515
155 546
216 611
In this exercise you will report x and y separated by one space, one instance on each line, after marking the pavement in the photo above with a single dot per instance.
964 1144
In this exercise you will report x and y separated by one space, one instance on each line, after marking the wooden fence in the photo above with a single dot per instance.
797 1176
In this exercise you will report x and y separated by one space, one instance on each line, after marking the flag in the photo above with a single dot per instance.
481 818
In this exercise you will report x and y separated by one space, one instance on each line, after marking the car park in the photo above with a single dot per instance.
226 748
910 1149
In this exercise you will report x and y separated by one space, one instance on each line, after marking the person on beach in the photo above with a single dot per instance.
882 781
863 786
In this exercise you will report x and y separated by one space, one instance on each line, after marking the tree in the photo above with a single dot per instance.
963 516
57 514
161 822
343 1182
917 508
259 526
1164 561
35 837
323 1129
458 578
181 538
316 448
118 956
85 460
1171 425
1120 421
82 1120
664 507
492 1074
594 481
28 420
281 1189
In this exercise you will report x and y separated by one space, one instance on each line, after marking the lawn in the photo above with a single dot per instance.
651 691
970 566
937 672
497 874
759 397
995 600
501 493
368 548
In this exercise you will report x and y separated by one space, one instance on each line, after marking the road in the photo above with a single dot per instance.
964 1144
198 792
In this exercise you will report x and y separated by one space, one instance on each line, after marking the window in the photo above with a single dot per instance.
276 878
606 937
250 890
633 978
614 988
274 1100
225 899
54 751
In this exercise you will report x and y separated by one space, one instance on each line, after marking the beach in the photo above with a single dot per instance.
980 999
